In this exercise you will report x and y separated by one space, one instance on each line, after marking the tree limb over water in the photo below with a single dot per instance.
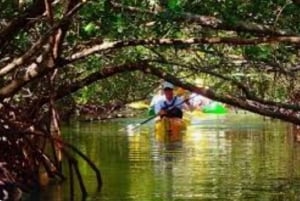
100 52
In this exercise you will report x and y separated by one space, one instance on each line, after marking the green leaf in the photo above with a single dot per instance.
258 52
174 5
90 27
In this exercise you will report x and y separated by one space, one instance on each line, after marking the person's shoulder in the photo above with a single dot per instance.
160 101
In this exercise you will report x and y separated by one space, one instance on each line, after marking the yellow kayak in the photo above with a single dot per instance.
170 129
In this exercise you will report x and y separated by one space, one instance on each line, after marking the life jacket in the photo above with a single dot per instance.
174 111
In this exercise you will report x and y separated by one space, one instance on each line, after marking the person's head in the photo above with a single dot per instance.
168 90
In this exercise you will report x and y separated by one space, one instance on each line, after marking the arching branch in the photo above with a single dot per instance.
253 104
257 108
235 41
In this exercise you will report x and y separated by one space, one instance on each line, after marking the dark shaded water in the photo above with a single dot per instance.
236 157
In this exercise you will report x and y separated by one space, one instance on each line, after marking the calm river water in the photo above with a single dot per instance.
232 157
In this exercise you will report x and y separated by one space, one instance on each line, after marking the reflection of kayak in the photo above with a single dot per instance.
170 129
214 108
138 105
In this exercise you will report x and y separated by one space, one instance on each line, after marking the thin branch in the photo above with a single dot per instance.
105 72
33 131
18 23
273 112
249 96
38 70
293 40
207 21
37 46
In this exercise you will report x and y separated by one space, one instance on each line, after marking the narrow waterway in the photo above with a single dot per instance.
232 157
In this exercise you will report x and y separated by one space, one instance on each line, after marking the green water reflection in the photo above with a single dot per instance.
220 158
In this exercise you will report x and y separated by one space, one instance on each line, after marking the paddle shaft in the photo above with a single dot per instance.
149 119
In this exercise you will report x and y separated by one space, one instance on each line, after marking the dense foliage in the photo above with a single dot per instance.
101 52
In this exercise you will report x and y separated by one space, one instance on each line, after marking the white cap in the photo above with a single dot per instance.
168 85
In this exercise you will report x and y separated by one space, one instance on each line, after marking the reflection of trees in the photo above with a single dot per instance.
266 160
257 162
101 142
239 163
170 155
169 175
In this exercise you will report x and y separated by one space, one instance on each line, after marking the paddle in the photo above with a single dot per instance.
131 127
